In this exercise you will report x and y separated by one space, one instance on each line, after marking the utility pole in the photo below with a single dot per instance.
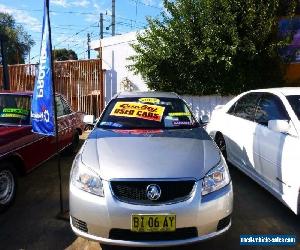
100 35
54 54
88 44
29 62
113 18
101 25
101 88
4 64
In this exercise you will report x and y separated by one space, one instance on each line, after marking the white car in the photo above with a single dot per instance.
259 132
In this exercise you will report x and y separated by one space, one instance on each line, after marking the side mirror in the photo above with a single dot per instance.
204 119
89 119
281 126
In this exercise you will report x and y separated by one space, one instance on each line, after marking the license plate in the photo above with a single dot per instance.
153 222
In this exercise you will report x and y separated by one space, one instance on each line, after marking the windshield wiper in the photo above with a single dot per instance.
183 127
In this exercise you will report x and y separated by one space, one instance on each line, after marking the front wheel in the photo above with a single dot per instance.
8 185
220 141
108 247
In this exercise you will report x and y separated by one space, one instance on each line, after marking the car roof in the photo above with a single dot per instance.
29 93
147 94
13 92
284 90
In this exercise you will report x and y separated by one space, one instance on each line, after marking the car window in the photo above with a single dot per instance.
59 106
232 108
147 113
14 109
245 106
67 109
270 107
294 101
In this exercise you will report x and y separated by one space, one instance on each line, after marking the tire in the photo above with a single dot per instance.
88 127
108 247
220 141
73 148
8 185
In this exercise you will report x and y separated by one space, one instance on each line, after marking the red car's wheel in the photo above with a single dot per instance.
8 185
72 149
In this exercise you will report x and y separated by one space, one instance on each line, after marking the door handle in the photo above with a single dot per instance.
282 182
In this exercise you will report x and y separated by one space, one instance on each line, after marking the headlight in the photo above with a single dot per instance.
85 179
216 178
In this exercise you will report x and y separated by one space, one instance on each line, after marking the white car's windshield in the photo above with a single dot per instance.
294 101
14 109
147 113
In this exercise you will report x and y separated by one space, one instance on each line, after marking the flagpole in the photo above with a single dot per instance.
43 106
62 214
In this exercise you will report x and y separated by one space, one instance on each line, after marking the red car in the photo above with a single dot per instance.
21 150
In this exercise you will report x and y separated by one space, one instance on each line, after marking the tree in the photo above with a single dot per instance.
16 40
212 46
64 55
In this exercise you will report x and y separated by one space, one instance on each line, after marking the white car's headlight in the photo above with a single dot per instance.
216 178
85 179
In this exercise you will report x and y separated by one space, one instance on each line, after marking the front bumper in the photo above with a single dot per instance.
101 214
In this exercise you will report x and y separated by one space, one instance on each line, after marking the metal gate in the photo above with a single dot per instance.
81 82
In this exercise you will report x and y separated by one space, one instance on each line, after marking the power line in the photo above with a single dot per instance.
77 12
55 11
56 33
71 25
132 23
82 30
145 4
75 34
86 28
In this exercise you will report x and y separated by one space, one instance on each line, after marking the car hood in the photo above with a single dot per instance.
178 153
10 133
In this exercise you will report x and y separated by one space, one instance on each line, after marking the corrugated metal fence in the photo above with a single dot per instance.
204 105
81 82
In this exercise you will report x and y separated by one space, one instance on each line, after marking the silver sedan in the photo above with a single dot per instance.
149 175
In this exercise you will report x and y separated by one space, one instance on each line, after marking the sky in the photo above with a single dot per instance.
72 20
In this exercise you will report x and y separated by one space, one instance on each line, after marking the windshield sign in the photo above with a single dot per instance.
14 109
147 113
138 110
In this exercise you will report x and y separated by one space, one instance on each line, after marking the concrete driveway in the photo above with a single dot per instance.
31 222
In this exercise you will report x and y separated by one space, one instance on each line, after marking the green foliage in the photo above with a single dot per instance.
64 55
202 47
16 40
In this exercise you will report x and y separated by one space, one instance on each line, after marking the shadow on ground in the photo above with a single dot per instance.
31 222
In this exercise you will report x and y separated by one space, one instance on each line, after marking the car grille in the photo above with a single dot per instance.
79 224
179 234
135 191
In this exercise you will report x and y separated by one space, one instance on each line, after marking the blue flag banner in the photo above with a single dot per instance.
42 106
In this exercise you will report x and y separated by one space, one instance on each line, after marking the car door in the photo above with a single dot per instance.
61 121
269 145
66 121
33 148
240 128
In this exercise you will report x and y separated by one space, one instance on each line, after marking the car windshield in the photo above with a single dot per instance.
14 109
294 101
147 113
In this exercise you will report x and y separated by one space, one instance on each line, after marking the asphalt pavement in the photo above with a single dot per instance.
31 222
